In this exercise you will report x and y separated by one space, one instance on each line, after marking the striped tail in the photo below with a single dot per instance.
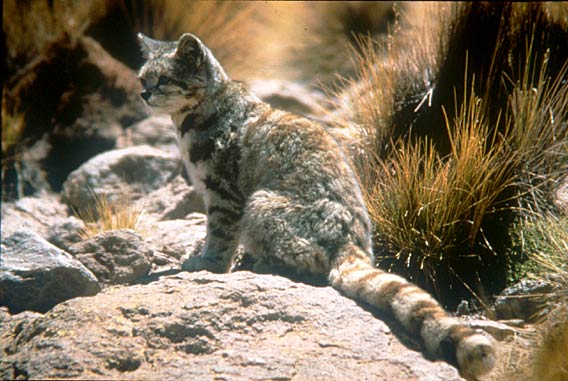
444 337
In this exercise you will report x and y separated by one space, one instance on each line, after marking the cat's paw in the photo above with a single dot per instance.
200 262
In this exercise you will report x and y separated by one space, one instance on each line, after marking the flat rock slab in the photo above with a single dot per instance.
35 275
203 326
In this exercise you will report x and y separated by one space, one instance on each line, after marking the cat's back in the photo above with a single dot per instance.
294 152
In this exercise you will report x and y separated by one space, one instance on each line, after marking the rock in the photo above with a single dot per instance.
22 172
9 326
65 232
203 326
561 196
289 96
498 330
157 131
37 275
115 257
175 240
76 97
134 171
175 200
35 213
522 301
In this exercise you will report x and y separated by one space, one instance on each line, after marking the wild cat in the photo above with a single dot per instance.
280 185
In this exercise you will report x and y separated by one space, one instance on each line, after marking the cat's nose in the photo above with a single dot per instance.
146 95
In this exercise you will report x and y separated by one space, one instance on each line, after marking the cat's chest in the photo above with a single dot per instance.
198 170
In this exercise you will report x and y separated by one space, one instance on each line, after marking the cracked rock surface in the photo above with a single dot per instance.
203 326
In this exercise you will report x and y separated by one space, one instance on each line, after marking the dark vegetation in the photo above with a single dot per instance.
469 145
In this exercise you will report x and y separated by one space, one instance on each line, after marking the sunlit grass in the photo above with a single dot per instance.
452 170
429 211
394 76
538 112
546 241
105 215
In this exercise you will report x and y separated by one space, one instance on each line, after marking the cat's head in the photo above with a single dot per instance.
178 74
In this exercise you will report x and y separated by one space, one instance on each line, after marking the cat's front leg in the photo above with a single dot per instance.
221 241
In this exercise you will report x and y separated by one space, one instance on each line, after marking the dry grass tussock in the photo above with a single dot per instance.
387 73
460 142
106 214
429 211
230 28
538 114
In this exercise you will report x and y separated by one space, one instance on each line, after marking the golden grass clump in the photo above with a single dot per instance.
107 214
394 77
303 41
429 211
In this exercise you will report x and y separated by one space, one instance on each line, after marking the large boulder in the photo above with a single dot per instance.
37 275
134 171
203 326
115 256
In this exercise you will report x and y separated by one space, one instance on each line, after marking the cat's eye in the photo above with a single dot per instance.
143 82
163 80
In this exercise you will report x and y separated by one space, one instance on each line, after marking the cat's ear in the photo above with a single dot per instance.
192 51
148 45
190 47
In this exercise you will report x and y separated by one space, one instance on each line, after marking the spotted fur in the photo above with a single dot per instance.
279 184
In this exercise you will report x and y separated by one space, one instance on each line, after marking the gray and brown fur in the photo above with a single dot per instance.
278 184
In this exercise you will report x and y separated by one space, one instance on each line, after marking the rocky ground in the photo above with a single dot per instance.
201 326
117 305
